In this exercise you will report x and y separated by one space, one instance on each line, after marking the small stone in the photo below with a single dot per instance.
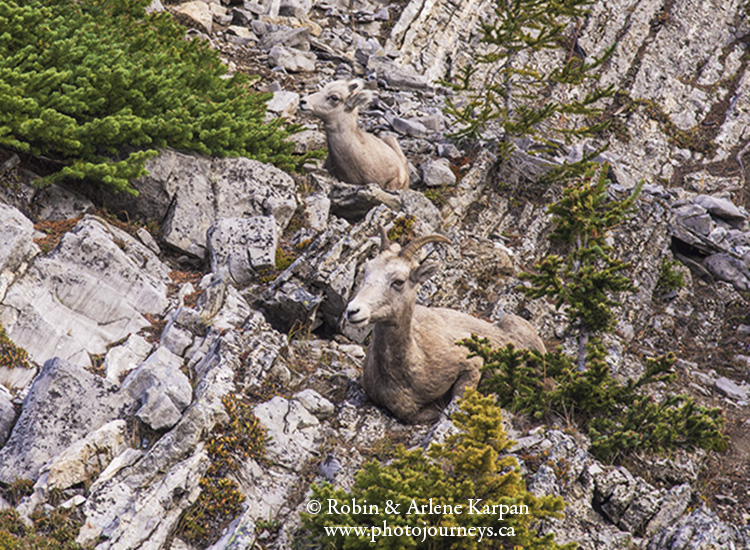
162 389
317 208
438 173
727 387
241 35
315 403
125 357
695 218
329 467
291 59
147 239
196 13
284 104
448 150
729 269
242 17
720 208
409 127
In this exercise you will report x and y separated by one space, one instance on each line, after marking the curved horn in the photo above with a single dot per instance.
410 249
385 243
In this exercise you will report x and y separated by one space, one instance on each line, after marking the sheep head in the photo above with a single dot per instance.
336 99
391 281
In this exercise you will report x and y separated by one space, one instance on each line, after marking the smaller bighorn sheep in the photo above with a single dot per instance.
354 156
414 365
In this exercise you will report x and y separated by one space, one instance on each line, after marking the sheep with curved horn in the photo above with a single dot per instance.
414 366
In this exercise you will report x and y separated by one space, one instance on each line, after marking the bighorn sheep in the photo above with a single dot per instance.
414 365
354 156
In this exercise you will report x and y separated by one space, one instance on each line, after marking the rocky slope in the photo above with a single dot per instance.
136 339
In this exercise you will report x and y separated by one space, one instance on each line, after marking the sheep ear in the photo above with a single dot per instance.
358 99
423 272
356 85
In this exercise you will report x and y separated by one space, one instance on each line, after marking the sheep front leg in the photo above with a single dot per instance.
467 379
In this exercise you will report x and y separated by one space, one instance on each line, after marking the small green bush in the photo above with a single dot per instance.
11 355
584 283
513 91
54 531
99 86
669 278
618 417
220 501
472 464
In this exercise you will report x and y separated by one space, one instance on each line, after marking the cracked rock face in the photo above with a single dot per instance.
210 190
293 430
64 404
240 247
91 291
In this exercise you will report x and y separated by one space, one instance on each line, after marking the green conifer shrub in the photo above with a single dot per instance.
586 279
513 91
472 464
96 87
618 417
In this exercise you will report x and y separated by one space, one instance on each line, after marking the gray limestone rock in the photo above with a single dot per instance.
124 358
290 38
438 173
317 208
240 247
353 202
730 269
731 389
16 237
409 127
670 508
57 203
629 502
721 208
138 500
284 104
702 529
7 414
91 291
294 432
429 34
695 218
162 389
291 59
225 188
315 403
183 325
397 77
64 404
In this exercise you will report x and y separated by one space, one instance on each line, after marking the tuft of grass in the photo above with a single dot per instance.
669 278
241 438
11 356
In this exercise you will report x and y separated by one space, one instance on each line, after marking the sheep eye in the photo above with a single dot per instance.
398 284
334 98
